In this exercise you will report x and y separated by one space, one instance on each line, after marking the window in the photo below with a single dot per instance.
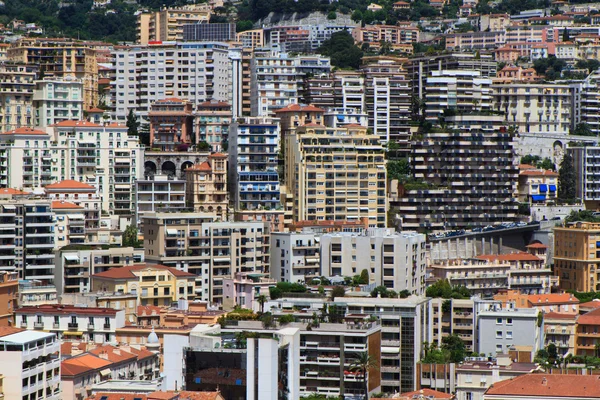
508 321
498 321
498 334
509 334
468 378
498 348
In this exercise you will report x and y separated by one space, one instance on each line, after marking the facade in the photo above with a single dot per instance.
17 82
171 123
211 251
57 100
586 162
211 32
586 333
158 192
212 120
395 260
458 319
560 329
9 287
61 59
153 284
253 180
75 204
90 324
295 256
168 24
471 173
538 186
354 188
243 290
206 189
166 70
575 256
459 90
25 355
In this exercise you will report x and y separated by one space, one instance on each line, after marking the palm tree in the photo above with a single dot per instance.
262 299
363 362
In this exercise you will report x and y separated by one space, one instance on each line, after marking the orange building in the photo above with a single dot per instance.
9 288
171 123
587 335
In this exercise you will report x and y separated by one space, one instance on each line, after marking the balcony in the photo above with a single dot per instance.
90 327
106 326
38 325
73 325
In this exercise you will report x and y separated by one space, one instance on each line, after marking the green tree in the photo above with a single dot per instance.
550 67
547 164
455 345
203 146
357 16
398 169
262 299
130 237
342 50
245 25
404 294
591 65
582 129
337 291
364 363
567 179
331 15
132 124
364 277
286 319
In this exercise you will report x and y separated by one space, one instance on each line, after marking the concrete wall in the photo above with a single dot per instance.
173 360
523 329
541 212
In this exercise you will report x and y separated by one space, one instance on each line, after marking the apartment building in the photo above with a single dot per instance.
576 248
159 192
30 364
454 317
211 32
70 224
61 59
212 120
395 260
539 108
206 189
253 159
78 200
587 334
17 87
196 72
586 160
480 277
387 98
538 186
475 165
211 251
374 35
243 290
328 185
171 123
501 329
251 39
28 241
560 330
74 268
9 288
459 90
33 292
71 322
483 40
295 256
167 24
303 38
154 284
57 100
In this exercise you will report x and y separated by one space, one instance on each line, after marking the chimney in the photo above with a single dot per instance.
117 351
544 381
104 355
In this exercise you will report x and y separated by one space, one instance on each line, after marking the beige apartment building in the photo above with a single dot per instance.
336 174
167 24
211 250
61 58
206 189
17 86
577 256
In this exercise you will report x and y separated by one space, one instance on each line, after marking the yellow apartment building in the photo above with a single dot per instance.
577 256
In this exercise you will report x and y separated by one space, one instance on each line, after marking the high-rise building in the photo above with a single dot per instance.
212 120
576 253
336 174
586 160
394 260
57 100
212 32
168 24
466 176
9 288
61 59
157 193
196 72
210 250
295 256
30 364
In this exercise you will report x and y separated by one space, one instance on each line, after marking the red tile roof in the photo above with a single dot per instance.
214 104
73 124
117 396
62 309
298 107
217 155
545 385
9 330
82 364
142 353
557 315
114 354
13 192
169 395
553 298
126 272
536 246
70 184
537 172
590 304
527 166
25 131
522 256
95 110
590 318
147 310
57 205
203 166
66 348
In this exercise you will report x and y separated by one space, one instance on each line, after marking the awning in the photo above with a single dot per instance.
105 372
538 197
76 216
390 350
543 187
553 188
72 333
172 232
71 257
9 207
